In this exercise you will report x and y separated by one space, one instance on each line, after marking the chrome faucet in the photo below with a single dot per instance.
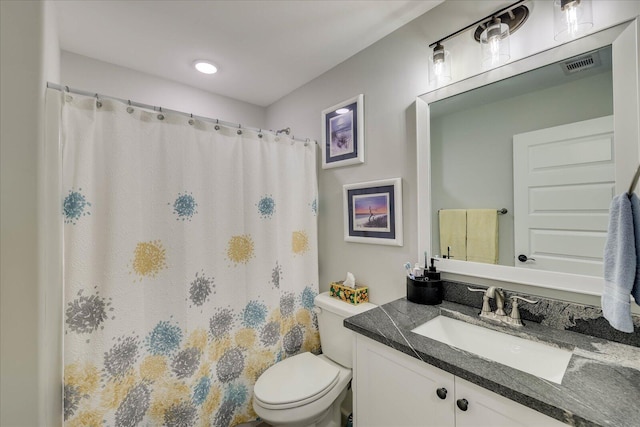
499 314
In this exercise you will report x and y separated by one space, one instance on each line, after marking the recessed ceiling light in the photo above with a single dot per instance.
342 110
205 67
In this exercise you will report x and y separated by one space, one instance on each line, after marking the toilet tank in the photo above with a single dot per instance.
336 340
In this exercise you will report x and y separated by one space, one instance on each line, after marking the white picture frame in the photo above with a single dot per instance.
343 133
373 212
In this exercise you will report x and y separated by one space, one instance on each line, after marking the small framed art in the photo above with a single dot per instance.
343 133
373 212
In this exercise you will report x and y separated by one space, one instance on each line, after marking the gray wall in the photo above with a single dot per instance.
30 301
386 74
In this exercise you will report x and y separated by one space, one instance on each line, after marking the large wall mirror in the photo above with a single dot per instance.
549 140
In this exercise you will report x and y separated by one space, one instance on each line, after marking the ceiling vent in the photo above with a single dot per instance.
581 63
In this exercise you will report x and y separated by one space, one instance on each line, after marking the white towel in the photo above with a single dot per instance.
620 262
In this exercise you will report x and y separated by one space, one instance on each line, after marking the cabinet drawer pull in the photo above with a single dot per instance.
442 393
463 404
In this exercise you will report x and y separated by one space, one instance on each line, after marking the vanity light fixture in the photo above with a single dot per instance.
571 19
342 110
205 67
492 32
439 65
494 41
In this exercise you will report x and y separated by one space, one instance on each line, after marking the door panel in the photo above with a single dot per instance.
488 409
564 180
393 389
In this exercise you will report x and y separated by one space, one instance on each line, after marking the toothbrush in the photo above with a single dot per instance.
407 266
425 260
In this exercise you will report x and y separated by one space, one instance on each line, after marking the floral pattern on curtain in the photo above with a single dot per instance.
190 264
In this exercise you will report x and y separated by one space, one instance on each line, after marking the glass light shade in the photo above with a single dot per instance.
494 42
571 19
439 66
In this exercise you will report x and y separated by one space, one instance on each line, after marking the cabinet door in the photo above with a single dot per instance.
393 389
488 409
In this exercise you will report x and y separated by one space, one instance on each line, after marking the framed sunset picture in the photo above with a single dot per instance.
373 212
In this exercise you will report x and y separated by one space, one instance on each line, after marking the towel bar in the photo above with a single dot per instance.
634 182
500 211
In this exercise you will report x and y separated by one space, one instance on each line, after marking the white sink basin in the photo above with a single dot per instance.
541 360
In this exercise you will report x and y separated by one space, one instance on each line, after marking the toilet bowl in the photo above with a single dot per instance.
306 390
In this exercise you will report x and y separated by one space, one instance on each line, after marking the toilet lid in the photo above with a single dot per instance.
295 381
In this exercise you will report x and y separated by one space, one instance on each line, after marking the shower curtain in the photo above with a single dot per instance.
190 264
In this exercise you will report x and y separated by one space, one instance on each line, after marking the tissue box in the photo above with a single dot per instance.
353 296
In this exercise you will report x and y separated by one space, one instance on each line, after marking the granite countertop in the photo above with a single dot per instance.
601 386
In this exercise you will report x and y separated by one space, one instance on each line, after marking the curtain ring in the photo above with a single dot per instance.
239 132
160 115
191 121
68 97
260 133
98 102
129 108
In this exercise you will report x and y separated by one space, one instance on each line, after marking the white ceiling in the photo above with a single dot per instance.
263 49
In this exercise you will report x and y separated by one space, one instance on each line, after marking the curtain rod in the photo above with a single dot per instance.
182 113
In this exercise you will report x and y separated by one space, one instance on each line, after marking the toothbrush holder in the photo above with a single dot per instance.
424 291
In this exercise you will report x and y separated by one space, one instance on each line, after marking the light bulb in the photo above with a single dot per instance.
571 16
437 68
494 47
494 41
572 19
438 60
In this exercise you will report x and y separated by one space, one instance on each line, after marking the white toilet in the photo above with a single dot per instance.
306 390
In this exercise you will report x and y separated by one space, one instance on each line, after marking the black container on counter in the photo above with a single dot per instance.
424 291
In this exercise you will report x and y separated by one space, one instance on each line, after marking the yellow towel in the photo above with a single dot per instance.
482 235
453 233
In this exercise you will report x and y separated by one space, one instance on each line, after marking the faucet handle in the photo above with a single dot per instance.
486 309
515 298
514 317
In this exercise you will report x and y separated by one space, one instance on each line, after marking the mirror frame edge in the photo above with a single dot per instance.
624 38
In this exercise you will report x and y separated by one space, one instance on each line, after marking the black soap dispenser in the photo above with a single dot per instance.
426 290
432 273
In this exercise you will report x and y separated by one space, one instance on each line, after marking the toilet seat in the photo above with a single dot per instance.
295 382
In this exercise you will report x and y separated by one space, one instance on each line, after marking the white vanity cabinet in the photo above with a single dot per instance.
392 389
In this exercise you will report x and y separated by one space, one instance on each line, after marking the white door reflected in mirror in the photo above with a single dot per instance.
563 183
